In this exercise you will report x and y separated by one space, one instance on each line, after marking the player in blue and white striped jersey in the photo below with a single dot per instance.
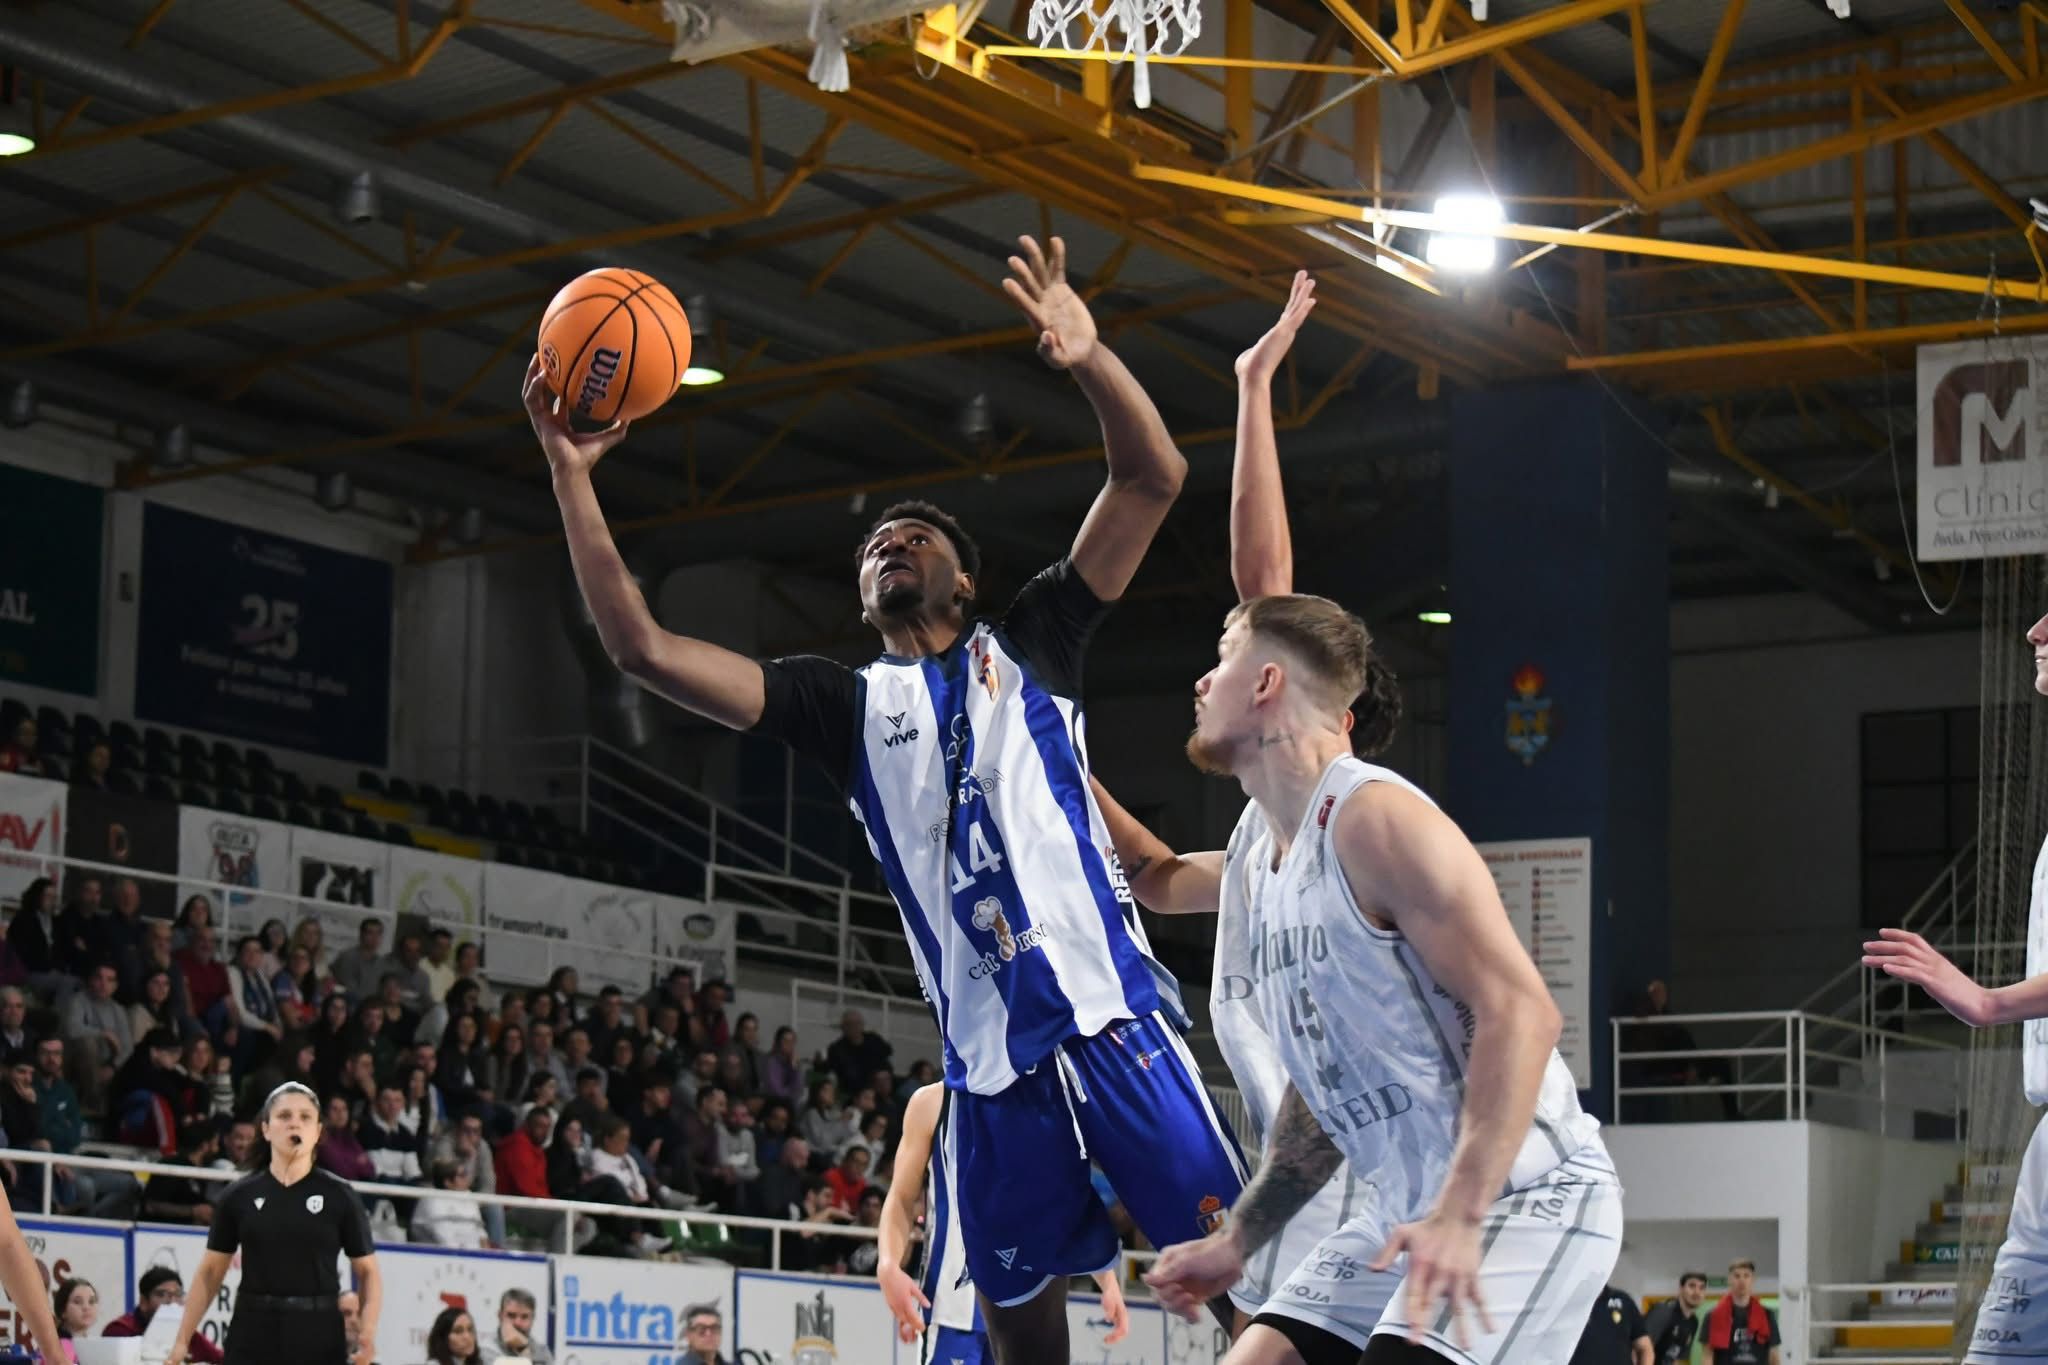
963 753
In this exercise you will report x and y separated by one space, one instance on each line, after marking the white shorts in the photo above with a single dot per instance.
1546 1252
1345 1199
2012 1319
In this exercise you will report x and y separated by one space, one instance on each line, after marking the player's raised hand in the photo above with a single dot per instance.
1187 1276
1038 285
906 1301
569 451
1443 1263
1259 363
1113 1307
1910 958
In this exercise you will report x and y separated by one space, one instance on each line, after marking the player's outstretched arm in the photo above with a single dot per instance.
1113 1307
1167 883
1261 546
715 683
1905 955
1146 469
1299 1160
906 1184
24 1284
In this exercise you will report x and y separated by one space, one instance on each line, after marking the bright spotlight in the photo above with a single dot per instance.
697 376
1464 253
1433 618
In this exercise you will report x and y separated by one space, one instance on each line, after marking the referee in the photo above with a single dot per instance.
290 1222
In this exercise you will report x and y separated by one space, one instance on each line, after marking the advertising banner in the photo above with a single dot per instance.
50 581
107 827
246 633
339 869
446 892
609 918
1983 476
1547 887
72 1249
810 1320
420 1281
32 816
697 932
617 1312
1088 1333
214 846
532 905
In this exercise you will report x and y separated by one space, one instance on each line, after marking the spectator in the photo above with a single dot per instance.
159 1289
732 1073
849 1179
824 1124
771 1130
153 1008
252 1006
540 1005
622 1082
780 1191
401 1020
541 1056
13 971
565 1159
561 990
521 1162
340 1150
393 1148
297 989
122 935
21 1122
469 966
358 970
13 1019
589 1102
185 1199
507 1069
195 914
78 928
864 1254
874 1131
711 1002
206 980
426 1108
98 1194
150 1095
97 1034
609 1158
541 1091
156 955
1740 1330
92 772
370 1032
463 1142
746 1044
460 998
1674 1323
408 964
515 1330
77 1305
452 1339
664 1034
357 1083
509 1013
576 1053
703 1071
291 1062
710 1177
737 1153
459 1065
33 934
656 1133
332 1037
856 1054
703 1330
310 936
811 1249
1614 1333
922 1074
440 964
18 755
217 1076
237 1145
606 1021
677 988
447 1222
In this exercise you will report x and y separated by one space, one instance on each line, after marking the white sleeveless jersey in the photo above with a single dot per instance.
944 1280
1248 1049
2034 1047
1377 1049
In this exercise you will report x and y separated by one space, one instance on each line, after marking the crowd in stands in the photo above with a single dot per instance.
158 1035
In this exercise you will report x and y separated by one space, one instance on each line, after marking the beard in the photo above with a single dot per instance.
1208 755
900 599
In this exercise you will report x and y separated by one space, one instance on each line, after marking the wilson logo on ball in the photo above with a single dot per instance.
604 363
550 360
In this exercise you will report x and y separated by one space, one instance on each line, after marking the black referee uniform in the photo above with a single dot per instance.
290 1237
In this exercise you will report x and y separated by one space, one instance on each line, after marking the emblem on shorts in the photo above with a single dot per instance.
989 918
1209 1214
1530 716
1008 1256
315 1203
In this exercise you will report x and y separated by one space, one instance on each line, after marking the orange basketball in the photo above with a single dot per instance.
614 344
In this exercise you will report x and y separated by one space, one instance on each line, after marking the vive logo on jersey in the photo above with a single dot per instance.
901 735
1356 1113
1285 948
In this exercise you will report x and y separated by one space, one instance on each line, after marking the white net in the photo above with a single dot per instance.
1131 29
705 29
2012 820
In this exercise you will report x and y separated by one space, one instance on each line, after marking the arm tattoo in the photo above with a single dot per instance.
1300 1159
1137 866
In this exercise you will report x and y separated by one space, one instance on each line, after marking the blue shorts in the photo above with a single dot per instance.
951 1346
1131 1100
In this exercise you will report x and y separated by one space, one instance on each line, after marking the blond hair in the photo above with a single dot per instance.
1336 648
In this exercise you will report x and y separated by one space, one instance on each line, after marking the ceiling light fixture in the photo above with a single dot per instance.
21 406
1433 618
697 308
334 491
356 201
17 129
173 447
1461 251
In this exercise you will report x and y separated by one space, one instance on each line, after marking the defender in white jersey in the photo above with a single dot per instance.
962 751
1418 1038
2012 1318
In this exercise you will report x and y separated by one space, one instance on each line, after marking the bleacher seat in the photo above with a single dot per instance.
160 763
295 789
512 857
303 815
13 712
368 781
460 802
195 769
464 823
86 727
489 807
333 821
363 826
155 741
53 743
192 746
545 815
192 794
398 789
262 782
159 788
259 760
395 833
519 811
230 801
50 720
431 795
56 769
124 782
122 733
127 756
227 755
265 808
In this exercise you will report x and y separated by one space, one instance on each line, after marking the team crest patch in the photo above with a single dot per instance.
1530 716
1210 1213
315 1203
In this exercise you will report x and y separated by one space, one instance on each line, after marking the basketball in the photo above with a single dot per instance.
614 344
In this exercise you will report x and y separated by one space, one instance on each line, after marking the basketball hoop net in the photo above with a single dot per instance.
1149 28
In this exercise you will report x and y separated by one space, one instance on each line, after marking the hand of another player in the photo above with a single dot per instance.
1261 362
1038 285
1910 958
569 451
1113 1308
906 1301
366 1352
1187 1276
1443 1263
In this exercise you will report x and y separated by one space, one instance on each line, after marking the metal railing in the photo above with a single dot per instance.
1798 1065
1812 1315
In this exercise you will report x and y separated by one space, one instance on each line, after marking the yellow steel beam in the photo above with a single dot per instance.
193 236
769 443
1826 149
667 153
1432 25
1985 40
1947 150
1646 92
1835 517
545 99
340 31
526 149
315 223
102 217
1404 26
1706 253
1237 80
844 222
1703 91
1595 148
1778 348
